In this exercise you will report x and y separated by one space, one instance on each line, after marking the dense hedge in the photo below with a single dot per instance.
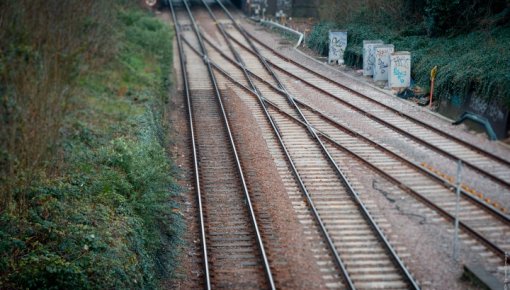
106 218
454 16
472 62
439 17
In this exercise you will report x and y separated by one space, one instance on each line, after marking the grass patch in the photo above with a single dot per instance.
107 219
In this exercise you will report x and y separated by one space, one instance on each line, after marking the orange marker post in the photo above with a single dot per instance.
433 74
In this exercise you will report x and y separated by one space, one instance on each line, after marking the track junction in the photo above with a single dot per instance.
318 157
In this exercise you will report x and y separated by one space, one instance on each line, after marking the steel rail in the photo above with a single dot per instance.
489 244
212 76
354 195
385 123
443 182
440 180
261 101
184 74
466 194
276 130
446 134
498 251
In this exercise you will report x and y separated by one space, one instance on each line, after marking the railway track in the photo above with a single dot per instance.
307 144
363 254
395 124
486 224
485 163
478 218
477 221
233 250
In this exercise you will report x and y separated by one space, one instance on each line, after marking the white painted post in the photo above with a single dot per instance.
337 46
382 61
457 210
400 69
368 56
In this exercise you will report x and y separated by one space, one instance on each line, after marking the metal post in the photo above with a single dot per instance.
506 282
457 209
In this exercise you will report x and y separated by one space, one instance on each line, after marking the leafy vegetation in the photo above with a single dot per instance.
98 210
470 46
318 37
39 68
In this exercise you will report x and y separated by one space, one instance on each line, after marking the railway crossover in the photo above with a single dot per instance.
309 144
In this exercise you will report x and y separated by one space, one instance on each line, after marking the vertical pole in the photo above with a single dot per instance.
433 74
457 209
507 277
431 94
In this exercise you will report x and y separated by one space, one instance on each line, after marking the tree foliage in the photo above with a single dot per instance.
456 16
467 40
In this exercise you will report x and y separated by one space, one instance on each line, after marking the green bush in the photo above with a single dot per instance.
454 16
466 39
318 39
45 47
107 218
102 226
147 35
476 62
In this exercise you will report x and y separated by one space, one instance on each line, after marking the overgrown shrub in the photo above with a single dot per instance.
454 16
101 226
318 37
45 46
441 17
473 62
374 11
106 218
